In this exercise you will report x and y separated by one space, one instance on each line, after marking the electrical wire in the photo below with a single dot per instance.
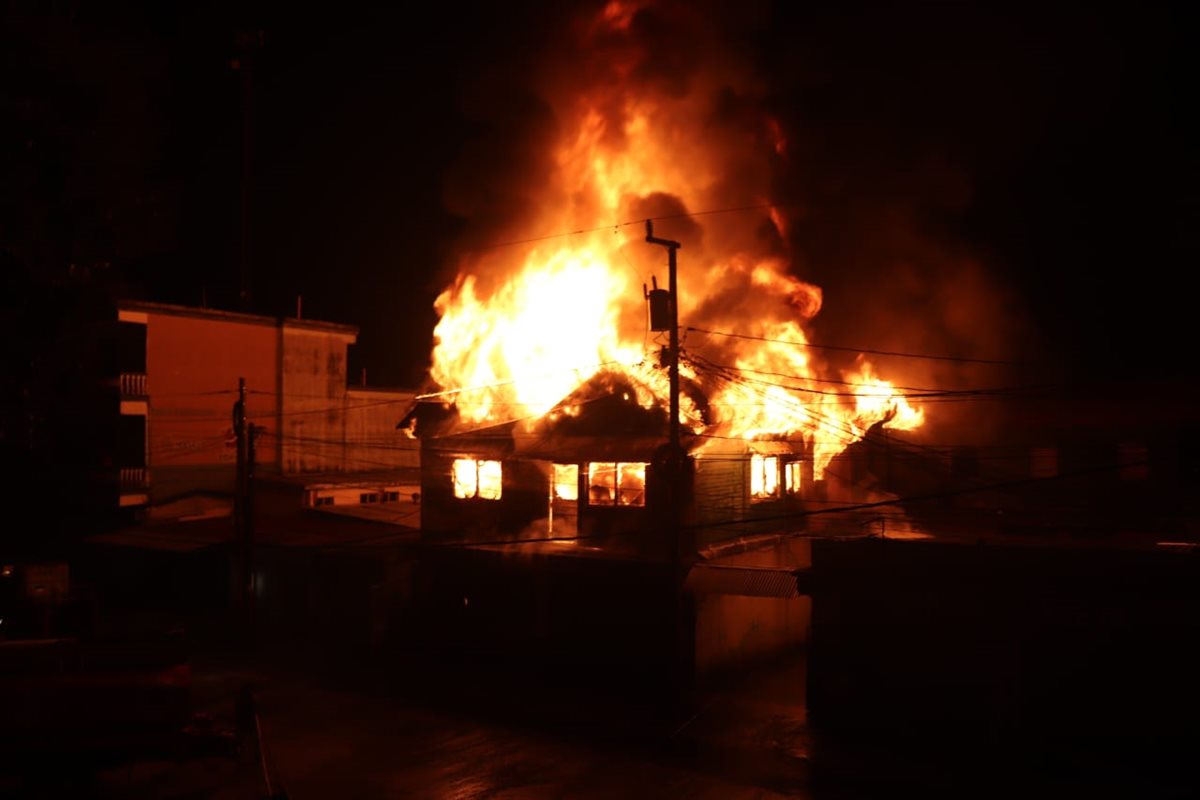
815 346
917 392
909 499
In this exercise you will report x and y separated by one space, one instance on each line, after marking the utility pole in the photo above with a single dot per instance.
247 542
672 343
242 568
685 624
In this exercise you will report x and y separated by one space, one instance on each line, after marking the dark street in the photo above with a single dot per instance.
367 734
341 717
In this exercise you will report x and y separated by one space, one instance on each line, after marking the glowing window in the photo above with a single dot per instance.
566 481
764 476
476 478
466 477
631 484
791 477
489 480
617 483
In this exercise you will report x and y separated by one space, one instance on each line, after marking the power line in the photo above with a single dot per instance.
917 392
900 501
845 432
483 387
898 354
390 443
349 388
828 422
209 393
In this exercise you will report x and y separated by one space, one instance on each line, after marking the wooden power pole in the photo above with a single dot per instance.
243 518
681 544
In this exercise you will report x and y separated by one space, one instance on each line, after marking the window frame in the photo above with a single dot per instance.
759 462
555 482
479 465
793 477
615 499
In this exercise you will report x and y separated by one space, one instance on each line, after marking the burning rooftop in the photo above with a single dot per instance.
527 326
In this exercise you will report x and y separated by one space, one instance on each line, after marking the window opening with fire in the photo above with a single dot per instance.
617 483
566 482
477 478
764 477
791 477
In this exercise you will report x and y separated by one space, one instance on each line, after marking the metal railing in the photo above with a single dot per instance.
134 478
133 384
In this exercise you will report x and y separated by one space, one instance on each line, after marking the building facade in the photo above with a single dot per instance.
180 371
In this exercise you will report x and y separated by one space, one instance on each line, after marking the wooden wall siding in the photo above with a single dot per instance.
524 498
717 491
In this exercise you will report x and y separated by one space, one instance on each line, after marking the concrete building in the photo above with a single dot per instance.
178 371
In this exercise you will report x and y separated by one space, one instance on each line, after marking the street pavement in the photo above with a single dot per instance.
342 735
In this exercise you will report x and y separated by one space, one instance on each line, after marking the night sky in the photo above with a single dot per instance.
1053 148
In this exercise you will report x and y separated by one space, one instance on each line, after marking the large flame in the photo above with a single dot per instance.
525 323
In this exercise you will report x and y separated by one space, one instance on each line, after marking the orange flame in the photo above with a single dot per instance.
525 324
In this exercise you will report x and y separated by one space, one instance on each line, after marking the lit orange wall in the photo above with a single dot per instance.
192 367
314 398
372 441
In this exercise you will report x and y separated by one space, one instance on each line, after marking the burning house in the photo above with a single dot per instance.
564 419
556 371
597 467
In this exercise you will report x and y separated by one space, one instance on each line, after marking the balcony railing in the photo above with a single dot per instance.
134 479
133 384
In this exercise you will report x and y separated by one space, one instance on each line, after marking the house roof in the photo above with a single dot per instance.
280 520
403 514
345 480
732 445
303 528
237 316
566 448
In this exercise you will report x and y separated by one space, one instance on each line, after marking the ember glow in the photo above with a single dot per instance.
527 322
566 482
620 484
474 478
764 476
